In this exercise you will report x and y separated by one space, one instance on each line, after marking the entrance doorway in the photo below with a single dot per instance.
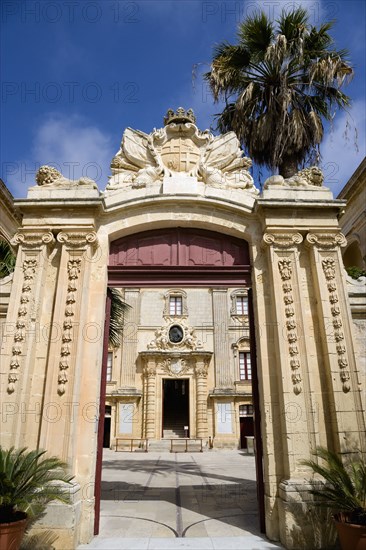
107 427
246 424
175 408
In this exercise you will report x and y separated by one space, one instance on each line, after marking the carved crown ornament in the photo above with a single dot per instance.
177 335
180 148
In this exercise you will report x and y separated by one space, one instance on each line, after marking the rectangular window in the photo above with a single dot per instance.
175 305
109 366
245 368
246 410
241 305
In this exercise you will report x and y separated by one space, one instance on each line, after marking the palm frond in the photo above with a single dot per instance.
28 480
345 482
278 85
256 33
7 259
117 317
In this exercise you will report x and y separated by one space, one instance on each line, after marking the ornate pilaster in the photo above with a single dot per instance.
325 255
285 269
129 349
150 398
329 271
201 371
283 247
335 328
224 376
74 257
32 244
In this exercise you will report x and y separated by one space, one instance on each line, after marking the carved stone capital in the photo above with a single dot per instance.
201 370
78 239
149 371
32 239
282 240
326 240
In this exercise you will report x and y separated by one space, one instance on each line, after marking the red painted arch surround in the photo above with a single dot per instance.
178 256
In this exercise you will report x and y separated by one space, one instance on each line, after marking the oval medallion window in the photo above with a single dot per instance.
176 334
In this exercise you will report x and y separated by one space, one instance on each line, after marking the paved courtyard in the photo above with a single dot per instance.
179 500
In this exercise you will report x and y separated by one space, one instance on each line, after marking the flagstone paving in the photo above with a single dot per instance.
179 500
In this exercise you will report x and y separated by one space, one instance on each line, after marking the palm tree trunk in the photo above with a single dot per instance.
288 167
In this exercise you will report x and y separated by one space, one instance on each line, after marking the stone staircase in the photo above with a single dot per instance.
173 431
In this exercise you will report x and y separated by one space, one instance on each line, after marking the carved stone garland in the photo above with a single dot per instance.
73 269
285 269
29 268
328 265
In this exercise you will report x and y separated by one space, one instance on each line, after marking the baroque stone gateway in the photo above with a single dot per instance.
238 321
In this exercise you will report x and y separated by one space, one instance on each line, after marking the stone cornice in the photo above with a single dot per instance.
7 201
355 183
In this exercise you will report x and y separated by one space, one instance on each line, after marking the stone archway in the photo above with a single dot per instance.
308 380
186 260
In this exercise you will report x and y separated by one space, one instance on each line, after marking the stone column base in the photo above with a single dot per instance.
61 521
302 524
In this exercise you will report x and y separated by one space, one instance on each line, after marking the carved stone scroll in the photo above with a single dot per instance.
326 240
282 240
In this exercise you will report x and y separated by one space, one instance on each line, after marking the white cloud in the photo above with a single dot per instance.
75 147
344 148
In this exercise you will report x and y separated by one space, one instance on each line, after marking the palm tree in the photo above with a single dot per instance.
278 83
7 259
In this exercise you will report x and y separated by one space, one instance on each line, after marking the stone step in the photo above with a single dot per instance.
173 435
161 445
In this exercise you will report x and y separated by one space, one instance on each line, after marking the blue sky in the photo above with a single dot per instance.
76 73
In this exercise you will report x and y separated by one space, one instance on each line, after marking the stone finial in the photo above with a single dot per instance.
179 116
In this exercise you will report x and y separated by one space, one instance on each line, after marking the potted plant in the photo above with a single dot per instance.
28 481
344 491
